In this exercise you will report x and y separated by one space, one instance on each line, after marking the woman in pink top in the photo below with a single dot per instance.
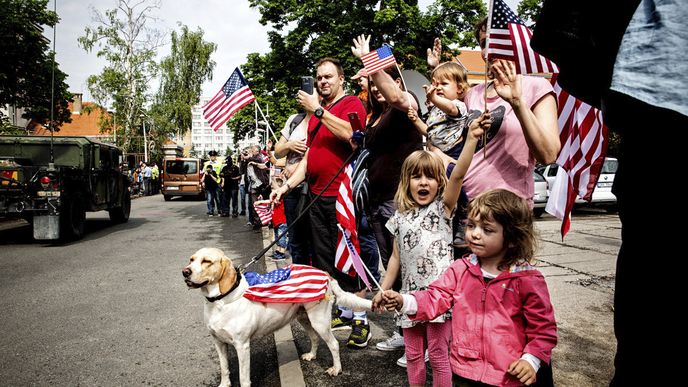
503 325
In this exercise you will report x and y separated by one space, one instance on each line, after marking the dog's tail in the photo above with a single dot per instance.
347 299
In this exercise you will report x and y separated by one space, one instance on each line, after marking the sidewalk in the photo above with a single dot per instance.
580 275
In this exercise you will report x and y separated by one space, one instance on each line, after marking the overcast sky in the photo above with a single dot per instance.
231 24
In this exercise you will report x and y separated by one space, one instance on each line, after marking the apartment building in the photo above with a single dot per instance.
203 138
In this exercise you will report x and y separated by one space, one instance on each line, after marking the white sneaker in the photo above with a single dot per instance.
401 362
396 341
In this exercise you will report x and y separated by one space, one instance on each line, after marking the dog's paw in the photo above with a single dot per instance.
333 371
308 356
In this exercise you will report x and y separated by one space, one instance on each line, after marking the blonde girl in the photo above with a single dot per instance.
422 230
504 328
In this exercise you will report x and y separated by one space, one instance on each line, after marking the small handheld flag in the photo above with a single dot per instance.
379 59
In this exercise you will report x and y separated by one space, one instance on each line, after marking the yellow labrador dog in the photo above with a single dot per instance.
234 319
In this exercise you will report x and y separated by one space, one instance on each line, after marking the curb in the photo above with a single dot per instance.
290 371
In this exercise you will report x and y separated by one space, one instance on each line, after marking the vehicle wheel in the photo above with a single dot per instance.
537 212
72 219
121 214
167 197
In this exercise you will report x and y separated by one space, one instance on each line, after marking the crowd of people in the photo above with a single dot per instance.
450 220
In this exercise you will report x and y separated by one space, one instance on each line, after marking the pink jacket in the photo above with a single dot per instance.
493 324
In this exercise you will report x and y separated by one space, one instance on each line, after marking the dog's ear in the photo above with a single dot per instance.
228 276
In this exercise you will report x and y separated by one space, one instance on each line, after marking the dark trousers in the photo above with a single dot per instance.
651 258
231 199
369 252
323 217
380 214
299 233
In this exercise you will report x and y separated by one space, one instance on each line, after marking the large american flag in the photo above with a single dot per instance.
509 38
234 95
293 283
584 140
346 217
379 59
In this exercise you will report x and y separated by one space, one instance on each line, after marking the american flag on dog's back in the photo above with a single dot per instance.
293 283
509 38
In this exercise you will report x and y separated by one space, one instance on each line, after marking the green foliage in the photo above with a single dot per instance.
122 38
27 62
182 75
529 10
320 28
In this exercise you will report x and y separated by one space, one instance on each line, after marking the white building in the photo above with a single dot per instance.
203 138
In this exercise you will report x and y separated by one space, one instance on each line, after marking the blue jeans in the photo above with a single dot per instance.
212 197
242 196
231 195
279 230
300 233
369 252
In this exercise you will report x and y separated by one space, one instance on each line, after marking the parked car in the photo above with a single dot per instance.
182 177
540 194
602 194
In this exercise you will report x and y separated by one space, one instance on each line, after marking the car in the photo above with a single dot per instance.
181 176
602 195
540 194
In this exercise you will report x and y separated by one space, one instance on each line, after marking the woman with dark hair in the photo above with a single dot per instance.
390 137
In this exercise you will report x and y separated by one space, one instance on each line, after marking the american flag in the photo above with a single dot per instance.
584 139
509 38
234 95
346 217
379 59
264 210
292 283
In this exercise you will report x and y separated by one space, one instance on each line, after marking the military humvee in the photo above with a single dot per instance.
54 197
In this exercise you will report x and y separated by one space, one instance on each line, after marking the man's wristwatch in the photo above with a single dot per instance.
319 112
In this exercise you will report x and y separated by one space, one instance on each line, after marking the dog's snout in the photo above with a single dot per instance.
186 272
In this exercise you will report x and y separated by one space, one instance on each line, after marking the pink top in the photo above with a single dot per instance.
509 163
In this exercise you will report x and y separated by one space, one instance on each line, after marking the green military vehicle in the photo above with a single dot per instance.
84 175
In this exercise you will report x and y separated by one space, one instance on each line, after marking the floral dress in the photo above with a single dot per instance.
424 236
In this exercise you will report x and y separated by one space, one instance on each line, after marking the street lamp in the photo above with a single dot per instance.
145 143
114 125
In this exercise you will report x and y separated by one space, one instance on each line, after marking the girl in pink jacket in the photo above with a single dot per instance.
503 325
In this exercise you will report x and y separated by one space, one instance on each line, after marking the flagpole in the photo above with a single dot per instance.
267 124
490 7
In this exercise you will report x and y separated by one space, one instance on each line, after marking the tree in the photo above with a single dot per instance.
183 74
529 10
26 68
129 46
275 76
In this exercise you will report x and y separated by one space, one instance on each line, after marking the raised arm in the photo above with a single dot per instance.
451 193
388 87
539 125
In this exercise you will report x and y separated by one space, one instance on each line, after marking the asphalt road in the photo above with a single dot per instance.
112 310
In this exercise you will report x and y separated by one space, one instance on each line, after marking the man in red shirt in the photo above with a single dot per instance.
329 132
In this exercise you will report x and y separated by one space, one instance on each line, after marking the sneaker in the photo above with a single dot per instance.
211 214
338 323
396 341
401 362
360 335
243 213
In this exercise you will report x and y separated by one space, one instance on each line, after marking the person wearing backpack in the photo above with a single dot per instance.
292 144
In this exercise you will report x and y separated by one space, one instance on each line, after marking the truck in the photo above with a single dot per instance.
52 183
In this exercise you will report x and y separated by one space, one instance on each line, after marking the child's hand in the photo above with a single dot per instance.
412 115
377 302
434 53
393 300
479 125
523 371
430 92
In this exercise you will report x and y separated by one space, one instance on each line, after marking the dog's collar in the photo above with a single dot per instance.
221 296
